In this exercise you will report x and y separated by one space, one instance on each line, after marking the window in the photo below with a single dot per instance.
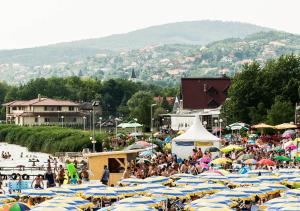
116 165
74 119
36 119
212 104
71 108
14 108
59 108
47 120
45 108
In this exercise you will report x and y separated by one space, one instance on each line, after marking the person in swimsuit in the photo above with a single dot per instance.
39 184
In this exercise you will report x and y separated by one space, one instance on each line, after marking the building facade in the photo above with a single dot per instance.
43 111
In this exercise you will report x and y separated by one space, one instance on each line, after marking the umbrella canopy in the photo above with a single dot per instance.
282 158
182 176
291 147
38 193
285 126
18 207
135 146
127 207
6 199
266 162
250 162
145 143
138 200
262 125
269 179
147 153
259 171
157 179
215 178
100 193
169 193
189 181
246 157
293 192
231 147
237 126
132 181
235 195
245 181
62 191
220 161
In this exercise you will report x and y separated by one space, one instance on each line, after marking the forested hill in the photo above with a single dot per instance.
166 64
194 32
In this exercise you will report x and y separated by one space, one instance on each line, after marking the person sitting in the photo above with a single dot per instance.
39 184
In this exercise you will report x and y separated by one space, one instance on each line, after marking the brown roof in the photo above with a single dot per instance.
41 102
202 93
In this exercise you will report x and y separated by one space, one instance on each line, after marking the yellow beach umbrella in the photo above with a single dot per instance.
262 125
231 147
220 161
285 126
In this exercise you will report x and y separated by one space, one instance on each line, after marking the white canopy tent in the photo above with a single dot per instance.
195 136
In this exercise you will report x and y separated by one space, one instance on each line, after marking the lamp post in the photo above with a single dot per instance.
94 104
84 119
151 129
94 143
39 116
116 120
62 121
220 121
135 132
100 121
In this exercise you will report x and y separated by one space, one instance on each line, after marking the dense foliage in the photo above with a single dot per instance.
265 93
41 139
113 94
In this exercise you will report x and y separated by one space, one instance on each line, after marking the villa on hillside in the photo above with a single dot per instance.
43 111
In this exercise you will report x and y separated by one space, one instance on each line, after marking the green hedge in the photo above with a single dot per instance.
49 139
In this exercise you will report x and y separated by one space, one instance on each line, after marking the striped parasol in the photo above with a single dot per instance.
293 192
186 181
215 178
62 191
101 193
245 181
6 199
157 179
132 181
131 208
259 171
169 193
235 195
33 193
182 176
139 200
275 186
269 179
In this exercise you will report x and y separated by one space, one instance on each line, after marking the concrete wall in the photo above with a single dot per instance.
181 122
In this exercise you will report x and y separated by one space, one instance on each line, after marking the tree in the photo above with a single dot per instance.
140 107
280 112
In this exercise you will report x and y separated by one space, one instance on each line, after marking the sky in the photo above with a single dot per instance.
31 23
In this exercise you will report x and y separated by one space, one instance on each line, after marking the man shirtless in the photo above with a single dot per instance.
39 184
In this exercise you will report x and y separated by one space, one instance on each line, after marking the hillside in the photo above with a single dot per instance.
194 32
166 64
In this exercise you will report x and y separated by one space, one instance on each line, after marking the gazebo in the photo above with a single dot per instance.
196 136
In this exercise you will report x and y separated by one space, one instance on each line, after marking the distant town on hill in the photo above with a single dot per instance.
161 54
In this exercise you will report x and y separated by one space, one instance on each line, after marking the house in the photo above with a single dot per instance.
203 97
43 111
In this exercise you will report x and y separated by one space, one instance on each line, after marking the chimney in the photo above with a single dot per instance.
39 97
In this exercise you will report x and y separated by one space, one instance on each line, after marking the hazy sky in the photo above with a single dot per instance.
27 23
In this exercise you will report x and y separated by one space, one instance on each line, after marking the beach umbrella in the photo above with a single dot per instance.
234 195
135 146
70 201
204 159
215 200
147 153
200 205
209 188
291 147
279 201
220 161
228 136
282 158
250 162
214 178
182 176
285 126
157 179
168 139
76 188
275 186
256 172
139 207
262 126
269 179
189 181
254 191
231 147
279 149
146 187
245 157
132 181
266 162
251 142
6 199
245 181
296 141
293 192
17 207
169 193
52 208
215 172
288 177
129 190
138 200
33 193
144 143
237 126
95 185
62 191
235 176
101 193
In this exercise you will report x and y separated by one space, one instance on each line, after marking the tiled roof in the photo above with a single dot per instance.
42 102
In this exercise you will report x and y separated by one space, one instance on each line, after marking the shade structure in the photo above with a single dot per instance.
169 193
6 199
138 200
189 181
132 181
221 161
215 178
196 135
266 162
157 179
181 176
73 201
293 192
262 126
245 181
282 158
62 191
139 207
202 204
231 147
285 126
275 186
279 201
101 193
235 195
129 125
38 193
236 176
217 200
129 190
18 207
269 179
259 171
76 188
52 208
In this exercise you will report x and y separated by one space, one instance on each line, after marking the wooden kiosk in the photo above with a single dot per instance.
117 162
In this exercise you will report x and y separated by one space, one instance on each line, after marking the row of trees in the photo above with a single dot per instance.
265 93
118 97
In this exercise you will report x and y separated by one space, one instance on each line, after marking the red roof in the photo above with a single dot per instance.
41 102
202 93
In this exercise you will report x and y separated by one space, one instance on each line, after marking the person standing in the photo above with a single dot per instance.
105 176
49 176
61 175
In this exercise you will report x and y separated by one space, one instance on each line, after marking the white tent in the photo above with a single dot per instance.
195 136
